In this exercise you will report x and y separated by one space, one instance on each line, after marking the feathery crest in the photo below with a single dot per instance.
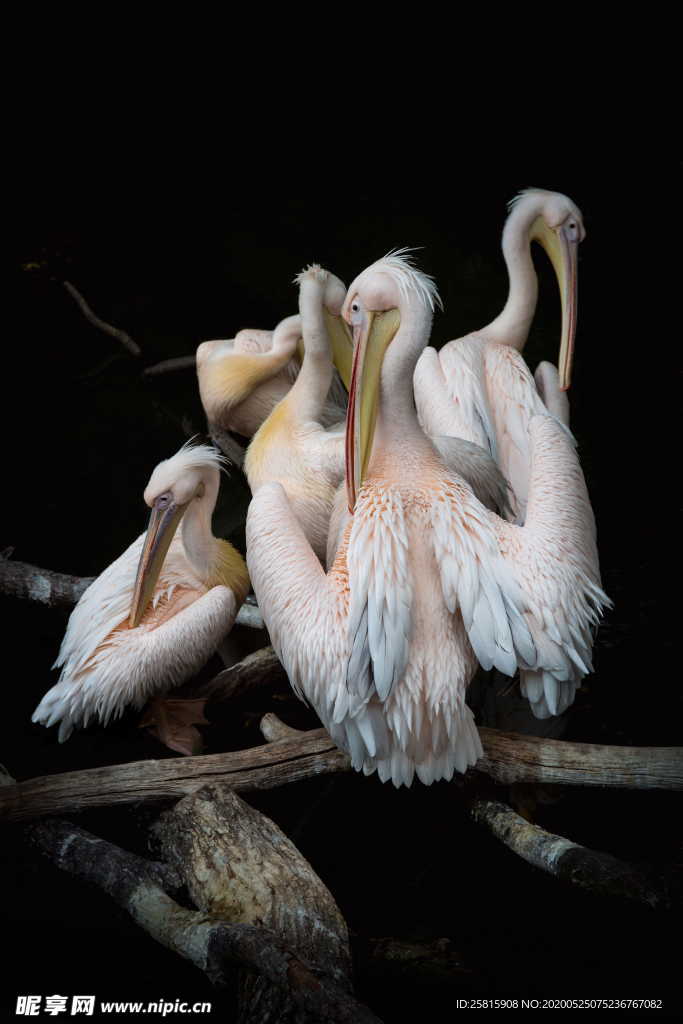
531 191
312 270
196 456
399 264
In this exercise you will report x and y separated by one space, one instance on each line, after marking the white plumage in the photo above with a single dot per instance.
107 665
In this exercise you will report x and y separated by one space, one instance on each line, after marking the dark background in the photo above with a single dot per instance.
176 265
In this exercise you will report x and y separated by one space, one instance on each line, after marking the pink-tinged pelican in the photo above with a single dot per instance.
426 582
479 387
241 380
292 446
155 615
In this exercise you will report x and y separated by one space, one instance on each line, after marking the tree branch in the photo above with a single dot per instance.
312 753
114 332
211 944
592 870
227 444
170 366
58 589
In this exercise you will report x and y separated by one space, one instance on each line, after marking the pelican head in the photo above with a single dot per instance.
389 294
190 477
555 222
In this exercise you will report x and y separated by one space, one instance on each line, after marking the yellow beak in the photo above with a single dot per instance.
341 344
563 256
372 339
163 523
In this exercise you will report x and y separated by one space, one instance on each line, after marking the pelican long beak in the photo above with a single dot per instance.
563 256
163 523
341 343
371 341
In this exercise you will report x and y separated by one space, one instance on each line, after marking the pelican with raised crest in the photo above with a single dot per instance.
478 387
426 581
154 617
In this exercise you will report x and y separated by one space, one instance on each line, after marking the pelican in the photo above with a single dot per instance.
479 387
292 446
242 379
156 614
426 581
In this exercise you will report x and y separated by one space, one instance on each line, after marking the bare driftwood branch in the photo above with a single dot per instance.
313 753
102 325
238 866
227 444
262 767
59 589
28 582
591 870
262 668
511 757
170 366
212 944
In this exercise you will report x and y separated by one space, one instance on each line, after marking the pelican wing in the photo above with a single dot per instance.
477 581
555 560
380 593
449 397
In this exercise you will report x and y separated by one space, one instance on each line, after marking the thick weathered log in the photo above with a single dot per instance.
591 870
313 753
59 589
239 866
102 325
212 944
170 366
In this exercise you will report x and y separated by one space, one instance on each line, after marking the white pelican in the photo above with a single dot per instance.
292 446
155 615
479 387
241 380
426 581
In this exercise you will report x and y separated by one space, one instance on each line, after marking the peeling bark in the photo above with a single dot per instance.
238 866
311 993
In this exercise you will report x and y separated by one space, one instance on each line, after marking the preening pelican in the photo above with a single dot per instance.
241 380
155 615
479 387
426 581
292 446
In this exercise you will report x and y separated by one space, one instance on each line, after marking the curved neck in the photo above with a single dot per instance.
309 391
198 540
511 326
396 414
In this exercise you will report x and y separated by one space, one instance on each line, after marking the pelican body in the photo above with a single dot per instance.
292 446
156 614
479 387
241 380
427 583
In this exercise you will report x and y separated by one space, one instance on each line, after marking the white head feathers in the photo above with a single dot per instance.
195 459
398 264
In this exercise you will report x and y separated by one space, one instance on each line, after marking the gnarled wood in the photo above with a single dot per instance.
213 944
238 866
